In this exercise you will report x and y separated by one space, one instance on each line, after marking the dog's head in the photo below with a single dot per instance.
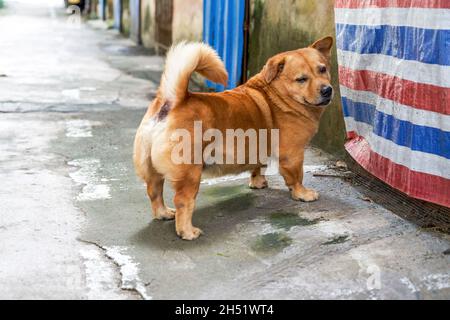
303 75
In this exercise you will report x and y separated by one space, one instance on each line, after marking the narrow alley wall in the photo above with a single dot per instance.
148 23
187 20
281 25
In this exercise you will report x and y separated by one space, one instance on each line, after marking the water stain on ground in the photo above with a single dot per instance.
287 220
225 191
336 240
228 198
274 241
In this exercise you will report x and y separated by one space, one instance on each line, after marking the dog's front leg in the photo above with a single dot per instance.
186 190
292 171
257 180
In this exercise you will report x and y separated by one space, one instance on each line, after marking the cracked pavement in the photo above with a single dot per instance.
75 222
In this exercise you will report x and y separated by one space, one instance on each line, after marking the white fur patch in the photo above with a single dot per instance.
150 131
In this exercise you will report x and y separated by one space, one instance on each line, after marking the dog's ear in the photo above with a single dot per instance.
273 68
324 46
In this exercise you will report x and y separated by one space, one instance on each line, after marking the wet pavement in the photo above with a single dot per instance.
75 221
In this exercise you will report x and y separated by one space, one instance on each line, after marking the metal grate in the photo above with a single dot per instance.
424 214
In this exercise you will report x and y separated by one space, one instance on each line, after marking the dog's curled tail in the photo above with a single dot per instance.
182 60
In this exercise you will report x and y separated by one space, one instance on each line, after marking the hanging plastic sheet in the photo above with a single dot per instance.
394 71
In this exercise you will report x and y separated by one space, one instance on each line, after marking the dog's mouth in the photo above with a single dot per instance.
323 103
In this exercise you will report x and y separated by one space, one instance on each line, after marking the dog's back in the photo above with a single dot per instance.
182 60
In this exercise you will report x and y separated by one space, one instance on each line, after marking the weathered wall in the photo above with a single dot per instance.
92 11
187 20
280 25
148 23
109 10
126 17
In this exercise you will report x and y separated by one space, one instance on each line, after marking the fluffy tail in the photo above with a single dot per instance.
182 60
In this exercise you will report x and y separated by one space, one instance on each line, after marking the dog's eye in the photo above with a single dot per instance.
301 79
322 69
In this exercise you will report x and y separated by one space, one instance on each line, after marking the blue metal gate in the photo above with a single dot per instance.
223 29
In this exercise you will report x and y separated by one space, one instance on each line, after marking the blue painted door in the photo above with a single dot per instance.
223 29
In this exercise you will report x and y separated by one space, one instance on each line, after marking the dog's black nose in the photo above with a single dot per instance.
326 91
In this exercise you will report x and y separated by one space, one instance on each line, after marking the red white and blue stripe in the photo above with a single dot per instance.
394 71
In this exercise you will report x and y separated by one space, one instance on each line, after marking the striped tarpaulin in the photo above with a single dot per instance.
394 71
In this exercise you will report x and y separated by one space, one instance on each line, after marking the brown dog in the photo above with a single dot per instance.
289 95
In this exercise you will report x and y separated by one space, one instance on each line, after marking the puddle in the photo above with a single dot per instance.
274 241
287 220
336 240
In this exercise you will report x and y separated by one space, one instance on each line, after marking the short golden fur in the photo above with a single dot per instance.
289 94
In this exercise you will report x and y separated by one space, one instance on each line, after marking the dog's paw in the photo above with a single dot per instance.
190 234
306 195
165 214
258 182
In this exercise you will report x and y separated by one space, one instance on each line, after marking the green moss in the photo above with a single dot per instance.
220 254
110 23
126 23
272 242
228 199
226 191
286 220
147 19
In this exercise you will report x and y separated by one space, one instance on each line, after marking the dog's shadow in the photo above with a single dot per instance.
218 211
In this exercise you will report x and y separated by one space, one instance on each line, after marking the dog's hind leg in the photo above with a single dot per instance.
186 190
257 180
155 186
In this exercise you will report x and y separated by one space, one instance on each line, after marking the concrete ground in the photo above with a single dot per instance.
75 222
